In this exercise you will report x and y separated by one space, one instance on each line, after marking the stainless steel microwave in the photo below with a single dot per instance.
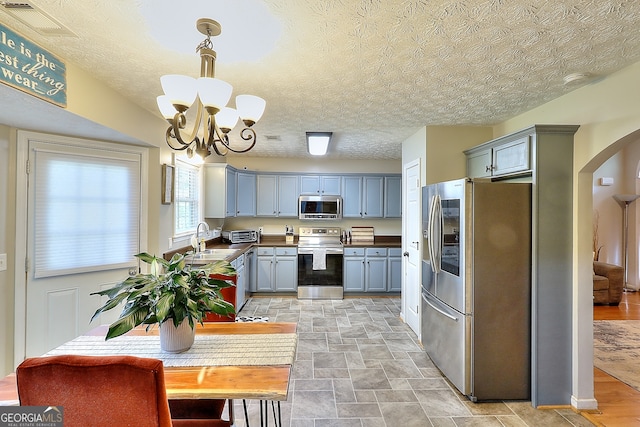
320 207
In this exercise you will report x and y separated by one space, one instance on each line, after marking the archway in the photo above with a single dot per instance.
583 382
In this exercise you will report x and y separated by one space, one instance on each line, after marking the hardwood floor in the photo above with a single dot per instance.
618 404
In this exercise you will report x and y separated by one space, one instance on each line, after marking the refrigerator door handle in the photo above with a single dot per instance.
455 319
435 230
430 233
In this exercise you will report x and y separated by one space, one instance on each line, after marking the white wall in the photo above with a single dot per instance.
6 243
607 212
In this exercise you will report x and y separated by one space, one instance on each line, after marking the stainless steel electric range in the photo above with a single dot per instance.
320 261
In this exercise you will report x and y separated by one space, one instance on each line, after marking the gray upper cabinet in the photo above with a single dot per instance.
220 190
320 184
352 197
499 158
267 195
479 164
288 191
246 199
277 195
373 191
393 196
230 193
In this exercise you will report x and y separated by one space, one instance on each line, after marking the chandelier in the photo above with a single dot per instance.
217 120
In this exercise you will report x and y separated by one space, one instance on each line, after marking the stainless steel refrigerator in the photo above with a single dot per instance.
476 285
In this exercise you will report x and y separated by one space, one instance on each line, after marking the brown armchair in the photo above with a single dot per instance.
608 283
102 391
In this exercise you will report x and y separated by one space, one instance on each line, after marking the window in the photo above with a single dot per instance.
186 198
87 211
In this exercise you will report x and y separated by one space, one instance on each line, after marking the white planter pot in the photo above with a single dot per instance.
176 340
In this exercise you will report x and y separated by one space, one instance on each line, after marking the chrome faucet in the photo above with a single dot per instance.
206 230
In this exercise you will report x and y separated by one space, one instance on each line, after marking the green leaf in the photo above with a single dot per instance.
127 322
163 306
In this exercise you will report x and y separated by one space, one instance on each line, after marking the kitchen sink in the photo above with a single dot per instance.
212 254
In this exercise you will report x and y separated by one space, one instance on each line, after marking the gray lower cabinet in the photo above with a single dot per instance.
375 277
375 269
353 270
394 265
286 271
241 282
277 269
250 269
265 269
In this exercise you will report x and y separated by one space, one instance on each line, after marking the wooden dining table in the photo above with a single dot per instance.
264 382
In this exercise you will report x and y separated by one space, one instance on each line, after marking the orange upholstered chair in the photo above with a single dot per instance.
101 391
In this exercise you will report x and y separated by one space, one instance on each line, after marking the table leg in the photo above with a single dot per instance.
246 413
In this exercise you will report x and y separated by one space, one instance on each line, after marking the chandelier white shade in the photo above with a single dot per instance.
211 96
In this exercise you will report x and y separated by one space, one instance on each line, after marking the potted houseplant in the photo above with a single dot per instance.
173 294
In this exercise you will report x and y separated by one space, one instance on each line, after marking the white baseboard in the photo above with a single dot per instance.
584 404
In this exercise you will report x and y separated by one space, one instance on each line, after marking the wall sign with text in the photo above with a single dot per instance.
31 69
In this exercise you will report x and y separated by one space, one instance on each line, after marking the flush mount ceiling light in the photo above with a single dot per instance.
318 142
212 94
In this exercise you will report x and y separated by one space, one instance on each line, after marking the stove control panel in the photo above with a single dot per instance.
319 231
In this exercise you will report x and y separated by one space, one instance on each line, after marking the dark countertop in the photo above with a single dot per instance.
379 241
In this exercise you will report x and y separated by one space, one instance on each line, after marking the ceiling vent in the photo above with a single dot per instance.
35 19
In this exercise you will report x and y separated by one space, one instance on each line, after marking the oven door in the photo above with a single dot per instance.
318 282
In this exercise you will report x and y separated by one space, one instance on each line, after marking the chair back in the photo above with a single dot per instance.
97 390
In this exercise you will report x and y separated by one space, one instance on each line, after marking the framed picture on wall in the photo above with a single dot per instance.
167 184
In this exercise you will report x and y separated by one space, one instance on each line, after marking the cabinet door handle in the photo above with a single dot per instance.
405 254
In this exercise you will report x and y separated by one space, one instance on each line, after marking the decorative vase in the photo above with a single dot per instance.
176 339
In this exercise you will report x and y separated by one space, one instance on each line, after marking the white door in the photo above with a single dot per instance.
69 254
411 238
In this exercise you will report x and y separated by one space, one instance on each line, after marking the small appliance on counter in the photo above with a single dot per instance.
288 234
240 236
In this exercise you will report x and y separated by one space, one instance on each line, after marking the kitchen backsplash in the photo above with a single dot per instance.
276 226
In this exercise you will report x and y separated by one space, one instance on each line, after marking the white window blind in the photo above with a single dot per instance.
87 212
186 198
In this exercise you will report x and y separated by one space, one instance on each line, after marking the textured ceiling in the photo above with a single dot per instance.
371 71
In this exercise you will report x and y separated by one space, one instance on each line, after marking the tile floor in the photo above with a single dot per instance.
359 365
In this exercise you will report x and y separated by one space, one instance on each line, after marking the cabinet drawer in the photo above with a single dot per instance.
238 262
283 251
353 251
265 251
373 252
395 252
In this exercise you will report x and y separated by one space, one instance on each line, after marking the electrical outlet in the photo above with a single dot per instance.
260 230
3 262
